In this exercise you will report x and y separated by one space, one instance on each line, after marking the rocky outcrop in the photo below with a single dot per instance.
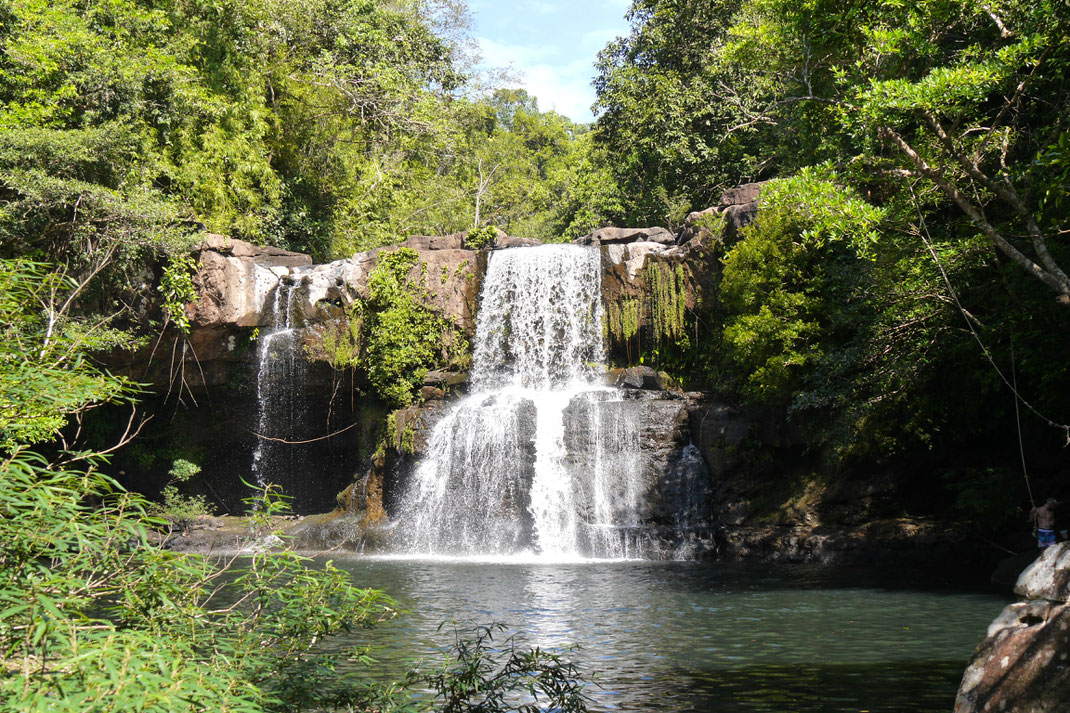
234 279
883 543
616 236
1023 665
640 377
737 208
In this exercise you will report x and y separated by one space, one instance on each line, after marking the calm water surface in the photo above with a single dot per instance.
701 637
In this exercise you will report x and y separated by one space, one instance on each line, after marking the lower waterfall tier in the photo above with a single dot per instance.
560 474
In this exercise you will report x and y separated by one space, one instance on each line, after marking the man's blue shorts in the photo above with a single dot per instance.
1045 538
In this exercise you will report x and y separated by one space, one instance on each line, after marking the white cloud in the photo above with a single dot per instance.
552 58
561 89
543 8
501 54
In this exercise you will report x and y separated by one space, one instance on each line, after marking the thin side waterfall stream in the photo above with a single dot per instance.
699 636
280 368
540 459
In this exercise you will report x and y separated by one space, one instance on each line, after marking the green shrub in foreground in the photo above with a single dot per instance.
94 616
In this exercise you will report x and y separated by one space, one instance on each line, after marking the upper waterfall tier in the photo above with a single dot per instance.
540 318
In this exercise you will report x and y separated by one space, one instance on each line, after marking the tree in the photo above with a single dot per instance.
970 98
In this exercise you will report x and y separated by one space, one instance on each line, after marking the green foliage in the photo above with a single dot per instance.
787 282
660 120
341 342
179 509
393 336
668 302
96 617
980 497
127 128
177 289
481 237
480 674
45 375
182 470
404 338
622 318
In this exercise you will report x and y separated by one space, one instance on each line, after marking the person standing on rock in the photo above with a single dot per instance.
1043 518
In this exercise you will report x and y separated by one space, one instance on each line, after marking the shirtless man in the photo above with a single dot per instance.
1043 519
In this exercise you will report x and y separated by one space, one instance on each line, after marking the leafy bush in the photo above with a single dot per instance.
481 238
96 617
481 675
404 338
45 376
787 281
181 510
176 286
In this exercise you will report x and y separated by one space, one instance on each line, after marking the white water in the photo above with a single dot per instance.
278 404
541 459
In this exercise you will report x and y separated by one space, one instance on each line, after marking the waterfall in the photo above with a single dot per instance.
540 458
279 406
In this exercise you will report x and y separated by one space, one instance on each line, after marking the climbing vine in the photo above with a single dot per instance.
622 322
668 302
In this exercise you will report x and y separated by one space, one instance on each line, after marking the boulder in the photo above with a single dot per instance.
434 242
1048 577
508 241
237 282
701 227
1024 662
640 377
742 194
649 426
737 208
633 256
445 379
738 217
610 236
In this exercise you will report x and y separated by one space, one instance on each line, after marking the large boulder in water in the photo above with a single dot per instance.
1023 665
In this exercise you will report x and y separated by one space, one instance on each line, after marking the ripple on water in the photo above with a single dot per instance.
700 637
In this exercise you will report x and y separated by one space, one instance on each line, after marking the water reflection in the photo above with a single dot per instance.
698 637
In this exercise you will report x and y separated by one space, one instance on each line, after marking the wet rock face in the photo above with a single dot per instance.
1023 665
645 433
640 377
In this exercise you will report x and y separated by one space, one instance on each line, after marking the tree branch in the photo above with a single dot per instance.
1060 284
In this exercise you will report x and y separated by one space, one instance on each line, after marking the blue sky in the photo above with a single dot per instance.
551 43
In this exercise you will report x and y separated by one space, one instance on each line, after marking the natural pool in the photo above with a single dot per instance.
686 636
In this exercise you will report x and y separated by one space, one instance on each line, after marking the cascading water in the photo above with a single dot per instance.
540 457
279 406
